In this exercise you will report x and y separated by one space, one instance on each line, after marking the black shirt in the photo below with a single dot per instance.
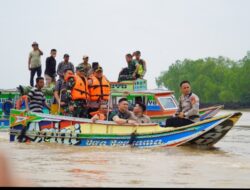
50 66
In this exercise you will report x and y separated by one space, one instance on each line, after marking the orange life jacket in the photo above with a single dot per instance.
80 90
99 89
100 115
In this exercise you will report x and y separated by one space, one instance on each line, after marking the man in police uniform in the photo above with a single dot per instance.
79 94
188 111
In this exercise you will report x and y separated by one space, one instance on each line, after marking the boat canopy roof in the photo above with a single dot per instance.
136 87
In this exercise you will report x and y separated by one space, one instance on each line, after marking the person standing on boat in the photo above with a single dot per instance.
50 70
86 66
78 85
99 89
34 62
36 97
188 110
61 94
138 111
64 65
123 115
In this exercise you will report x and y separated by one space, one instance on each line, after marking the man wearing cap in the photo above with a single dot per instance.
65 64
99 89
86 66
34 62
78 85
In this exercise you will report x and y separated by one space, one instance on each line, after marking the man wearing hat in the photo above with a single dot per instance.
34 62
79 95
86 66
65 64
99 89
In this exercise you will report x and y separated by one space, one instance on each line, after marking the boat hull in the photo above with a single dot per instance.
34 127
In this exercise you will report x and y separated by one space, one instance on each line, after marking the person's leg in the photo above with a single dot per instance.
170 122
32 74
177 122
184 121
39 71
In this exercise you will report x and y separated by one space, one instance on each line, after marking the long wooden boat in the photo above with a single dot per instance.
38 127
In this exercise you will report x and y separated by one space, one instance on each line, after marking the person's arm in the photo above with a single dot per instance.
179 108
29 61
119 121
27 103
195 107
73 68
144 68
136 70
94 118
56 95
58 69
41 53
132 119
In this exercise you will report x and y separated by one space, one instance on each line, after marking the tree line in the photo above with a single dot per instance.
214 80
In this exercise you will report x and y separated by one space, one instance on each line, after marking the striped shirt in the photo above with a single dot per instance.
37 100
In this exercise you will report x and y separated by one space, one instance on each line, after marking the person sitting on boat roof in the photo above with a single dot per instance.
65 64
123 115
188 110
127 73
36 97
139 110
99 89
60 93
86 66
101 114
141 68
79 93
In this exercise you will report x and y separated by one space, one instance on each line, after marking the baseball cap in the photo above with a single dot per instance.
34 43
85 56
79 68
98 69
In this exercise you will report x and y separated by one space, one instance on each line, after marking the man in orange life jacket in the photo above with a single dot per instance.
78 85
99 89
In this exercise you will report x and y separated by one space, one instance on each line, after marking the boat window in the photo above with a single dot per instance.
167 102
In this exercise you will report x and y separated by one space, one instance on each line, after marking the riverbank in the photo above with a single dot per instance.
232 106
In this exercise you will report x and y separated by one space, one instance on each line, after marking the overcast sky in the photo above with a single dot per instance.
163 30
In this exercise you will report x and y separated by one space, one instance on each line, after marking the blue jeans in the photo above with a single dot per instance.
33 71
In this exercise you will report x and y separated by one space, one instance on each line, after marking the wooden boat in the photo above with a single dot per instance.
38 127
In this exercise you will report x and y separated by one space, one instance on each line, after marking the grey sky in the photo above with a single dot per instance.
163 30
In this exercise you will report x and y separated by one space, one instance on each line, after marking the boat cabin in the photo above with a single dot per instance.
160 103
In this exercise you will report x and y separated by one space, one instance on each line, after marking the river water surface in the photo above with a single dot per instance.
227 165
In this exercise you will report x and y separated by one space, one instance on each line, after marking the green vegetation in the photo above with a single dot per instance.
214 80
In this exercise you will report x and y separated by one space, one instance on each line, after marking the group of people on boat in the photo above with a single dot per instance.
85 91
81 91
136 67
